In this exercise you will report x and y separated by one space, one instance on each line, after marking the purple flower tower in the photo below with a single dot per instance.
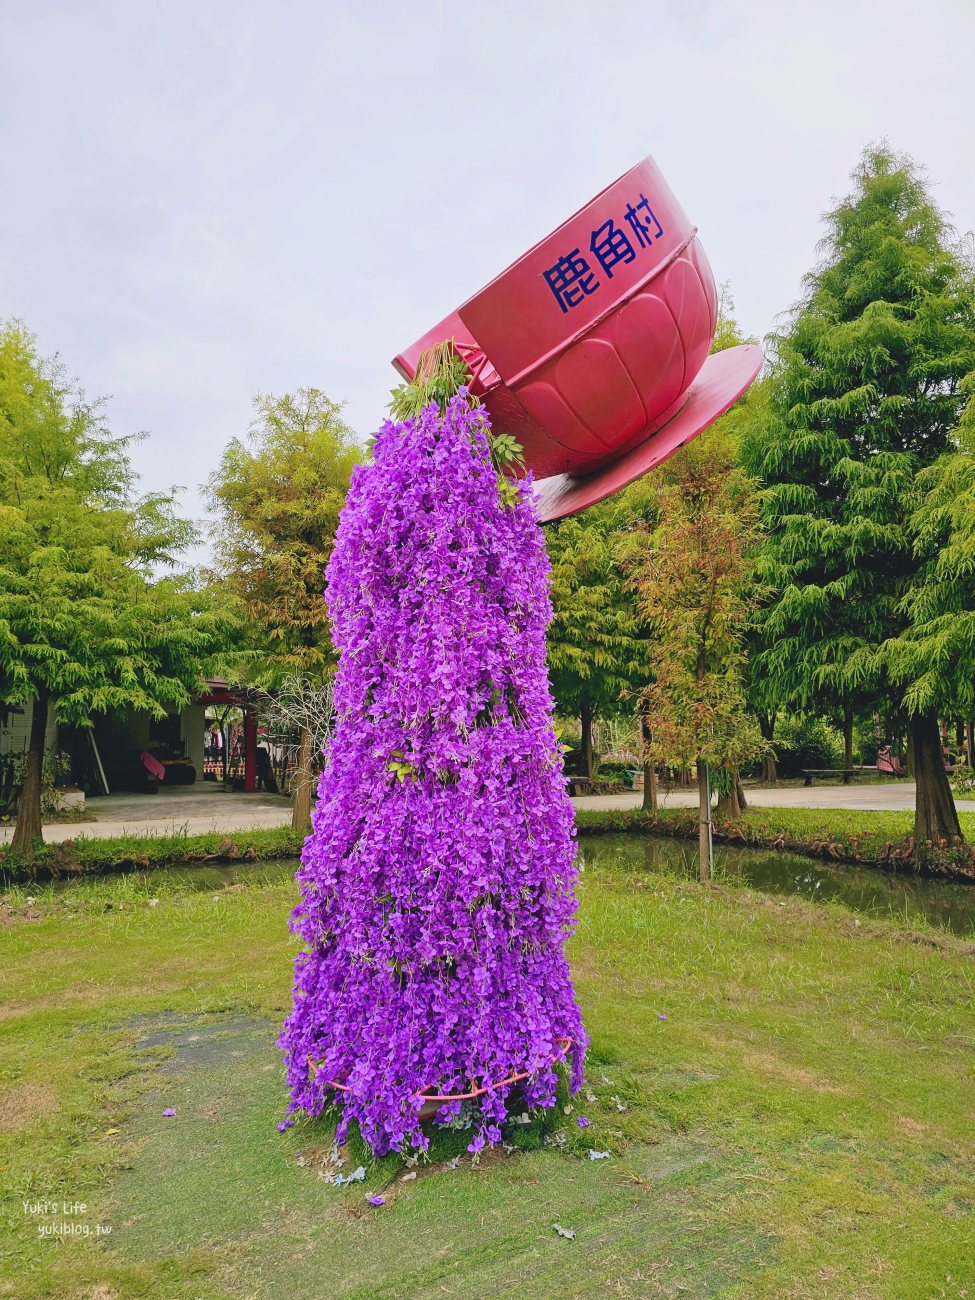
438 884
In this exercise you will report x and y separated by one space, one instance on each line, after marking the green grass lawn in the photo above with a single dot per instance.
800 1124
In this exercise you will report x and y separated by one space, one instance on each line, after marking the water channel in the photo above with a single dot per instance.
868 890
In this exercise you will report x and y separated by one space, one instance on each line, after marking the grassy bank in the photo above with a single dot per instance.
784 1088
847 835
91 856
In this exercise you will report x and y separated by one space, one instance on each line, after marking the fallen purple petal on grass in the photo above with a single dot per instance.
285 1123
662 1015
377 1200
583 1122
169 1111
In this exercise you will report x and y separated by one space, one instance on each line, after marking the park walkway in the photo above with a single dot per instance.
888 796
195 810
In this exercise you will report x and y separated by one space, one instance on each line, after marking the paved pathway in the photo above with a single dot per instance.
886 796
193 810
186 810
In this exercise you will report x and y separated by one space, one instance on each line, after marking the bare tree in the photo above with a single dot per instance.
298 717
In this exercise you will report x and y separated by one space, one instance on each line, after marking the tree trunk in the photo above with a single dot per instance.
766 724
847 737
650 788
585 722
304 779
935 817
705 850
28 828
732 805
649 771
970 744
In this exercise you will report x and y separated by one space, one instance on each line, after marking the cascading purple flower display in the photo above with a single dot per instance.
438 884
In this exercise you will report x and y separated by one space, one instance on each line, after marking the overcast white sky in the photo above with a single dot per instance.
204 200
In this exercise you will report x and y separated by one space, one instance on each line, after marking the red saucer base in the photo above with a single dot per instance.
722 380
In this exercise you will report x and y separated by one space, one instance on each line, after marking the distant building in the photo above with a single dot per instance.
186 742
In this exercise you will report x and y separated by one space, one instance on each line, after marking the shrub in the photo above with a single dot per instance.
804 743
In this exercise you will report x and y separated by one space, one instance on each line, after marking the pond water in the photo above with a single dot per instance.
868 890
865 889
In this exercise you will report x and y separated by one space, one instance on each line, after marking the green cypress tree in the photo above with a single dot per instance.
933 658
866 394
595 648
275 500
86 625
694 588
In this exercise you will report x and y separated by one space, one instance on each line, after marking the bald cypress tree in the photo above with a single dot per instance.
866 395
596 649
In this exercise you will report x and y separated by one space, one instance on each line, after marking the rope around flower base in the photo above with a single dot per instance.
566 1043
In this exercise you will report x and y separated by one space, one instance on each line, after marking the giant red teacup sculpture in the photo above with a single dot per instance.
592 350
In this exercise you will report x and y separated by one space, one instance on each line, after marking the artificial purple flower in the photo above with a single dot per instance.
438 881
377 1200
583 1122
169 1112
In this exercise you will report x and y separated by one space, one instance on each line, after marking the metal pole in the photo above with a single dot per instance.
705 841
